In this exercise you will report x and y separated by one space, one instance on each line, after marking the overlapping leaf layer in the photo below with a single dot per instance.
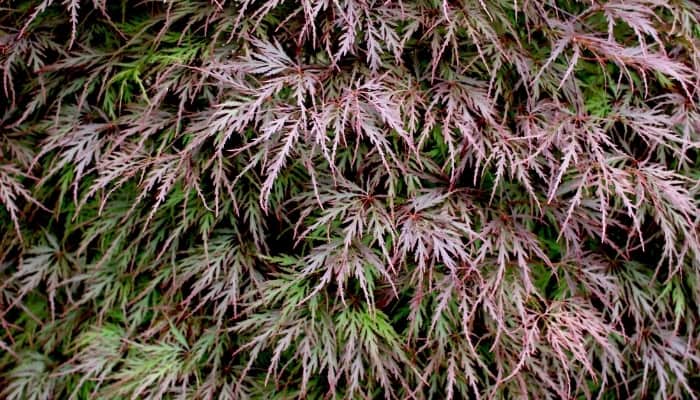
349 199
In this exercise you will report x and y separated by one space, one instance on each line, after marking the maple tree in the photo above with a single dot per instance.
349 199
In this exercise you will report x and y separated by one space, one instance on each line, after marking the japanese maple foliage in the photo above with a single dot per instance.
432 199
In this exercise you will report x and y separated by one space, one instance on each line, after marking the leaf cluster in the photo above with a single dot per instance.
242 199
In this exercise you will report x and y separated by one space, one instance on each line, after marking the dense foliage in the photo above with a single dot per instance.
349 199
